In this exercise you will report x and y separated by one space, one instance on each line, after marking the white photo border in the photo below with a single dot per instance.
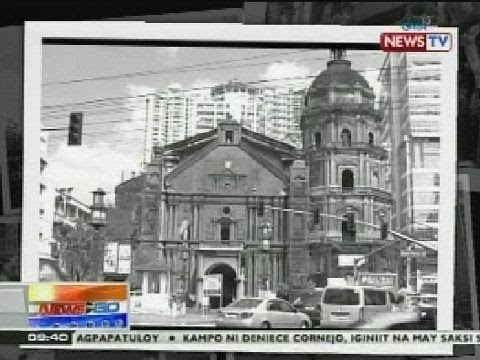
35 32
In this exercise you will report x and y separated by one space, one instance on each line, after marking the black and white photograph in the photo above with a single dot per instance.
239 185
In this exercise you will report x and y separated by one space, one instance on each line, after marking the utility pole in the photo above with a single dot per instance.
98 221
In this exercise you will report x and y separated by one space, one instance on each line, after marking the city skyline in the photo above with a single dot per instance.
117 136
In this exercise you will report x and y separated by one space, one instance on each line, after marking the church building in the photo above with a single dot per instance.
263 214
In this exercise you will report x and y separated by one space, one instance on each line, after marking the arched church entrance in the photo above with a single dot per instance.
228 284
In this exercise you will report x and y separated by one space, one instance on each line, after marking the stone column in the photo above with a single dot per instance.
201 220
381 176
269 271
239 288
362 170
199 290
163 283
275 223
170 223
327 171
334 171
144 282
255 273
372 215
409 274
195 222
275 272
174 222
249 223
169 272
251 275
367 173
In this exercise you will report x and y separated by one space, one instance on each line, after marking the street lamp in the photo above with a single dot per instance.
266 231
98 221
185 256
99 211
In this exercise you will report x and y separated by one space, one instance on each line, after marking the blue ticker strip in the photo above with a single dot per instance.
118 320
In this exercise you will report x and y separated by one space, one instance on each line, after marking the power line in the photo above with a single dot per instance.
159 71
337 77
100 112
196 67
94 123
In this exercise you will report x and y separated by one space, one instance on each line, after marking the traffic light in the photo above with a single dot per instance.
351 222
383 230
75 129
261 208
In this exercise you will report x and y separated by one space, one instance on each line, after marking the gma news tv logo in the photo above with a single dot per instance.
415 42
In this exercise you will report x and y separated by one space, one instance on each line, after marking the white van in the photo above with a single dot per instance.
345 306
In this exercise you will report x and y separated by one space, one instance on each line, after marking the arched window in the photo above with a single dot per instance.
347 179
346 138
225 230
370 138
375 179
318 139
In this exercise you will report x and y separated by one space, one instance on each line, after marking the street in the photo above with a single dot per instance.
197 319
386 320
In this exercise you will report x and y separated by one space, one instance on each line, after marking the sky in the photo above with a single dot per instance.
113 129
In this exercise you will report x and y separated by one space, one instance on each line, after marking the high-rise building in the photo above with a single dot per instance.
424 76
410 108
393 107
283 110
175 114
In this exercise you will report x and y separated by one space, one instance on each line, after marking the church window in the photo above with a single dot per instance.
347 179
346 138
318 139
225 230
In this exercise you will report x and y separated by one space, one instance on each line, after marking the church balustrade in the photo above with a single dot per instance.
337 145
209 244
359 190
325 237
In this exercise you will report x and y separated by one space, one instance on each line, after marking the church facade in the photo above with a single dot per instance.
264 214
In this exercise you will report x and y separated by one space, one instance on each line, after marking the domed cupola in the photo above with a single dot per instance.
338 93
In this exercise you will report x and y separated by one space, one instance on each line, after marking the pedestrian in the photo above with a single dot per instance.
298 303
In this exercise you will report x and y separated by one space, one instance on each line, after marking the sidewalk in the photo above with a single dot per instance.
192 317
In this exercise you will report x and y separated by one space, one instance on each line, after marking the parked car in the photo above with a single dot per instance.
261 313
309 302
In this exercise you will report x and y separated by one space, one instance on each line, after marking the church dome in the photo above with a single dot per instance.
338 74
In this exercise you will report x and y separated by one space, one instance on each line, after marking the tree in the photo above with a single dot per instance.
81 252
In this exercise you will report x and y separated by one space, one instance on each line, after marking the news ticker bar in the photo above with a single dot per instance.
123 339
